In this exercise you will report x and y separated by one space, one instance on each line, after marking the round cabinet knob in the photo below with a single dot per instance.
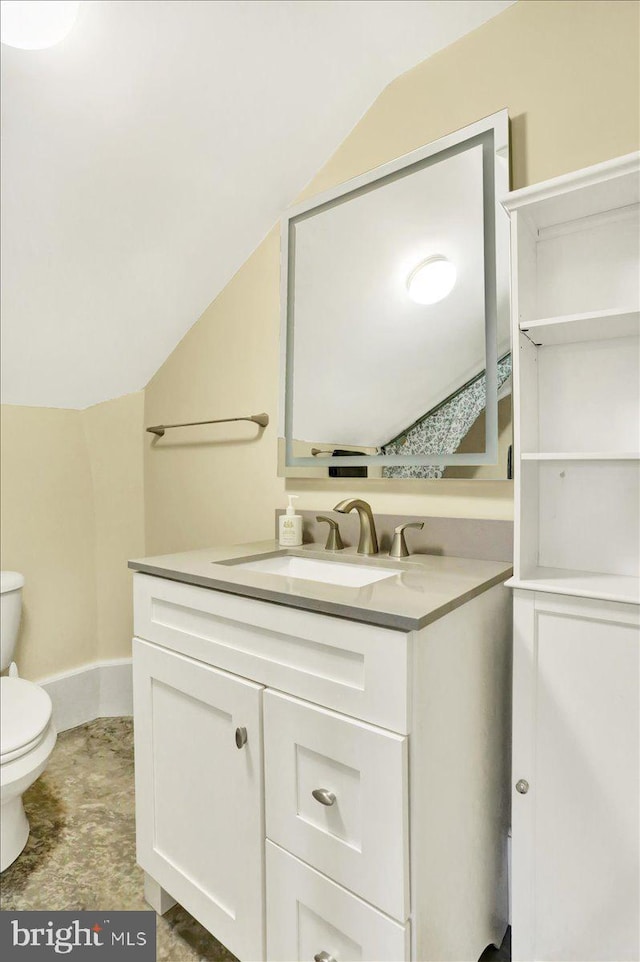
324 796
241 737
323 957
522 786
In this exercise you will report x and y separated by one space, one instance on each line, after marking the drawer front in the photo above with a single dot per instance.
357 669
357 831
308 915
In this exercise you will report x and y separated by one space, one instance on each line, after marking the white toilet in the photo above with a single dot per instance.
27 732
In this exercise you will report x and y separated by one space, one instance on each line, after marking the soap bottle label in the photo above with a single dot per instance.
291 530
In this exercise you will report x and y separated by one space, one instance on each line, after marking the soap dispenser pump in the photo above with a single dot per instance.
291 525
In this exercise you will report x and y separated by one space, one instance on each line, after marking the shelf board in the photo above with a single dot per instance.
592 326
583 584
581 456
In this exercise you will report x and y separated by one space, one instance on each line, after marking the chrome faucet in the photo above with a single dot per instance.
368 543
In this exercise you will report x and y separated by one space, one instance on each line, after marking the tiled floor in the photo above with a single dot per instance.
81 851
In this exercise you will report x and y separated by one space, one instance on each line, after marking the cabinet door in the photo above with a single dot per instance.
199 798
575 855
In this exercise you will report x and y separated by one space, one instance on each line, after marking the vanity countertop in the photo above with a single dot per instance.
428 587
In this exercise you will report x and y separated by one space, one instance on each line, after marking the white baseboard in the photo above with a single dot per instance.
100 690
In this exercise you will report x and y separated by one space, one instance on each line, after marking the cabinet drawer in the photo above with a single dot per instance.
360 839
308 914
357 669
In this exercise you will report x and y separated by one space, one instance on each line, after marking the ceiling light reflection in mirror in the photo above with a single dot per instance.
432 280
36 24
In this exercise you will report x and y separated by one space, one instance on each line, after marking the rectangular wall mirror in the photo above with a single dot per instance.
395 318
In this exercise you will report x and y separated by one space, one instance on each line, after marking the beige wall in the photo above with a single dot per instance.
48 535
197 492
113 435
72 512
568 74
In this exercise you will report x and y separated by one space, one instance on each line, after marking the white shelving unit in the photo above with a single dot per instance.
576 307
575 264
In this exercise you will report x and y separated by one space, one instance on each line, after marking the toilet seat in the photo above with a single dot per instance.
25 715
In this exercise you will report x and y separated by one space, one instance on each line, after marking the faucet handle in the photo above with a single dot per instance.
334 540
399 544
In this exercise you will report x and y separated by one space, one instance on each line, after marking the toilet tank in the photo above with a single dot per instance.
11 583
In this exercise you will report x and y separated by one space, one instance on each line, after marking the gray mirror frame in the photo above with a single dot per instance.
493 134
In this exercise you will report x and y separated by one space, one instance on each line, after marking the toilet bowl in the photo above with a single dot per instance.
27 732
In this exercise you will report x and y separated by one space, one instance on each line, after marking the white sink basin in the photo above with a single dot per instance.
330 572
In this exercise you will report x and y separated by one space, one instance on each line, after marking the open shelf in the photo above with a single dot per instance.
581 456
589 326
580 516
585 584
580 400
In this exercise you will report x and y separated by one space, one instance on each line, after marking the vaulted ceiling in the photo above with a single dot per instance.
147 155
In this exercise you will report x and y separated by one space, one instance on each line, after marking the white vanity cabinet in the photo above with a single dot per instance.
364 814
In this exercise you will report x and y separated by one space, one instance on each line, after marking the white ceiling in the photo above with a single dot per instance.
148 154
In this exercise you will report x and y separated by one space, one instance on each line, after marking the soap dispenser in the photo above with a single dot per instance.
291 525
